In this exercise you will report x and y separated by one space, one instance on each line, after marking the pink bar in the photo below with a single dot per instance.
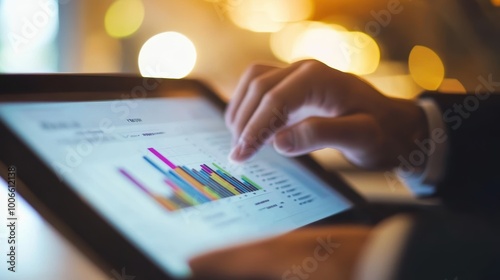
170 184
133 180
207 169
162 158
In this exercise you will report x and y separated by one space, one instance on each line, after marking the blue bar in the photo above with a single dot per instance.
250 185
197 178
187 187
205 172
155 165
236 186
234 181
211 183
180 182
179 201
207 176
189 173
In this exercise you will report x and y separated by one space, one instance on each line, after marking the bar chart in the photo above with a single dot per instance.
165 183
191 186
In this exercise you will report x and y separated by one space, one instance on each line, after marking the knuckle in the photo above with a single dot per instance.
313 65
303 128
272 98
257 85
238 129
307 130
310 126
316 130
254 68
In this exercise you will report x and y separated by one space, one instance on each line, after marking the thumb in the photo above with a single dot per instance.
352 133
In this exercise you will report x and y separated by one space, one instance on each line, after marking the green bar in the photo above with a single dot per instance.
210 191
251 182
222 169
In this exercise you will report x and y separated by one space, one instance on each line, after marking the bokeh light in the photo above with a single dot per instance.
353 52
269 15
392 79
290 10
495 3
124 18
167 55
426 67
452 86
363 51
283 41
322 43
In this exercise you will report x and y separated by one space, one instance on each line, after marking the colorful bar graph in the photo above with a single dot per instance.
224 184
172 203
162 158
181 193
192 186
207 192
229 181
250 182
133 180
206 168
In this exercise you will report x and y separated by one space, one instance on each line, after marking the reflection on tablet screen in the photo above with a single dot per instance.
157 170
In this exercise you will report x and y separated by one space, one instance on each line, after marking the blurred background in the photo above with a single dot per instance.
401 46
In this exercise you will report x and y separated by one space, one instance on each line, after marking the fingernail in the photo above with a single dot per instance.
241 152
234 155
284 143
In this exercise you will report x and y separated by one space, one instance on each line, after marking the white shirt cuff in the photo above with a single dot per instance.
434 148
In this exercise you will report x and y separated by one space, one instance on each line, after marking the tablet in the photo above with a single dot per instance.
136 170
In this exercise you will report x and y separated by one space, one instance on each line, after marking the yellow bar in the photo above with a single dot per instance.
225 184
203 189
182 194
212 192
185 197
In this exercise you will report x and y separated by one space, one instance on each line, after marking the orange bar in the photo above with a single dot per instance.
195 183
182 194
166 203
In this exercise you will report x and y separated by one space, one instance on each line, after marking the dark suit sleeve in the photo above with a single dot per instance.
472 174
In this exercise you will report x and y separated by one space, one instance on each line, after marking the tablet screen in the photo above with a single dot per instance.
156 169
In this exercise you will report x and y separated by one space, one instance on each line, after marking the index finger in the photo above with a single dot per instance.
272 113
241 89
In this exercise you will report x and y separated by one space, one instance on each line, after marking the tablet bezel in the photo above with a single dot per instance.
64 209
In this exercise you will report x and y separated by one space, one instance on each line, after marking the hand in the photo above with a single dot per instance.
309 253
348 114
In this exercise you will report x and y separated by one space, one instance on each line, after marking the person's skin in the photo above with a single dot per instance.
311 253
370 129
